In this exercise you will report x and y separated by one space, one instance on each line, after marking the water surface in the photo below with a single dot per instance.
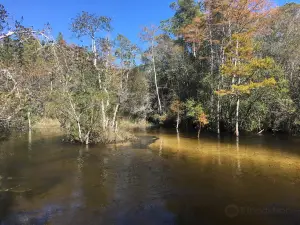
159 179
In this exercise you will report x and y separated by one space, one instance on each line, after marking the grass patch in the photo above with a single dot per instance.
47 123
131 125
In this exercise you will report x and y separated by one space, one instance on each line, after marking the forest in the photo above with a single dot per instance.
216 65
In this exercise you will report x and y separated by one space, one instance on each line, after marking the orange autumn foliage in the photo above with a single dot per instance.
202 118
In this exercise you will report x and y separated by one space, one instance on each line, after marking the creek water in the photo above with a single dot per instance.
161 178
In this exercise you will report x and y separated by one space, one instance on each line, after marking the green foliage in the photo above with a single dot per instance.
193 109
246 71
87 24
185 12
126 51
177 107
87 91
3 17
160 119
249 59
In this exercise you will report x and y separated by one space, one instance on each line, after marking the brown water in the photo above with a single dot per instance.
175 179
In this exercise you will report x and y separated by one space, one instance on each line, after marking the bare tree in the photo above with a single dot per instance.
149 35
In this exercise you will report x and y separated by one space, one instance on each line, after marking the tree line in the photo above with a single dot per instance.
227 66
218 65
87 89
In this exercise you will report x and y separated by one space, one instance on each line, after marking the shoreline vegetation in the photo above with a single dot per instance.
126 134
212 66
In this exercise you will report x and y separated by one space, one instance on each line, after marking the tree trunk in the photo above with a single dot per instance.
103 115
155 79
237 117
116 127
238 98
79 130
29 144
115 118
211 52
94 49
218 115
87 138
209 21
212 101
219 87
177 122
211 61
194 50
199 131
235 60
29 120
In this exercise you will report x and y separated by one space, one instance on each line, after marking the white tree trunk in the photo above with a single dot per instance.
238 98
194 50
87 138
94 49
51 86
155 79
237 117
79 130
177 122
115 117
29 120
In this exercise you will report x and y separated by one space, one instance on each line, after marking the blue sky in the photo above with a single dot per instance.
128 16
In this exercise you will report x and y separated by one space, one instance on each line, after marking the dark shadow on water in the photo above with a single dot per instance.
6 201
